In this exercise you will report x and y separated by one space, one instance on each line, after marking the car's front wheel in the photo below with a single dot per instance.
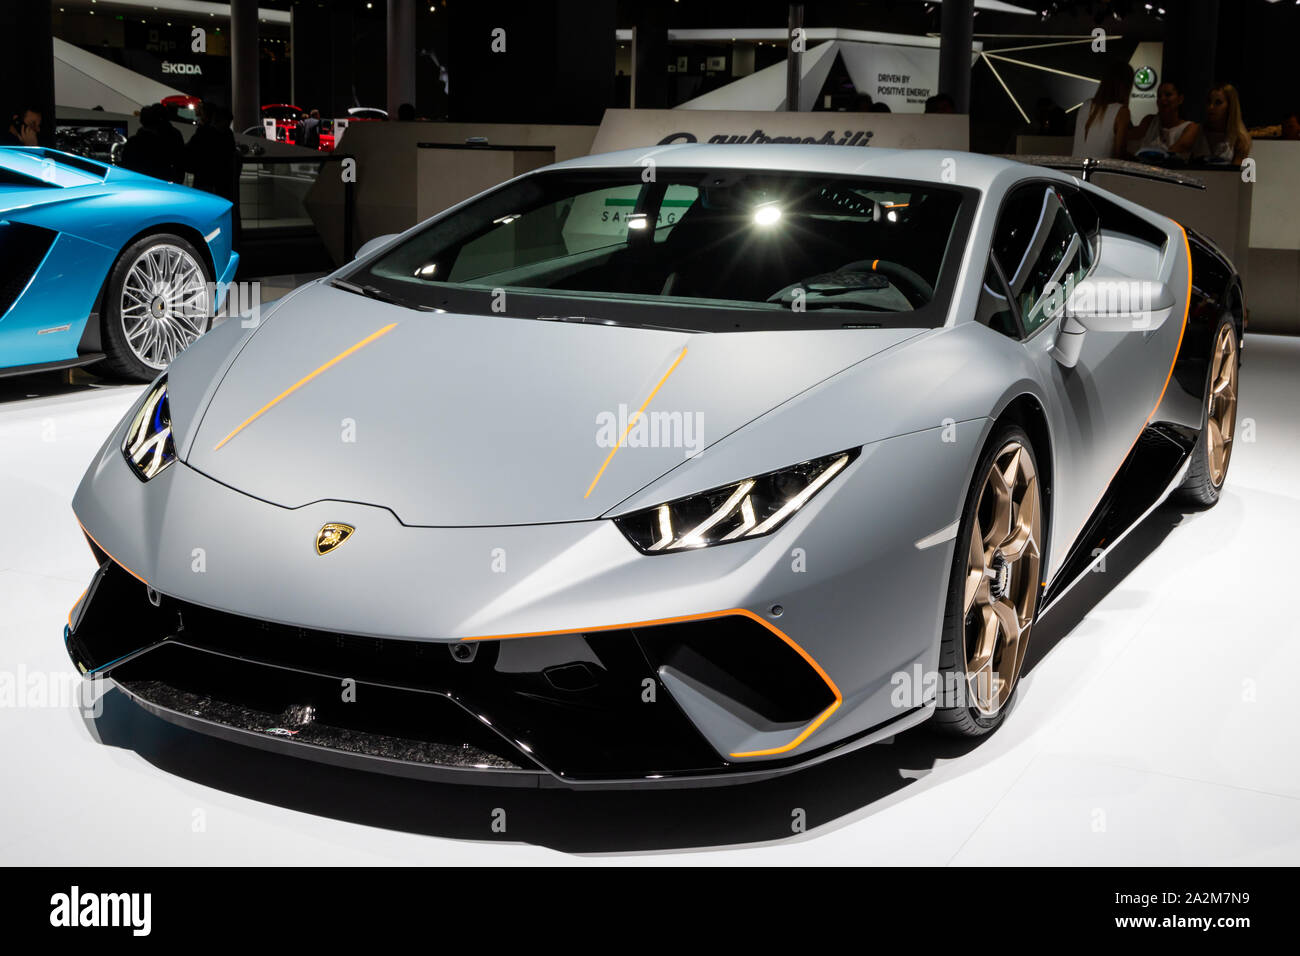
994 588
158 301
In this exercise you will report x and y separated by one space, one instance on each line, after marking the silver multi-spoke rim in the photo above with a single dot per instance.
164 304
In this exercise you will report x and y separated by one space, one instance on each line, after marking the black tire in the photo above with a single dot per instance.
1199 490
956 715
121 361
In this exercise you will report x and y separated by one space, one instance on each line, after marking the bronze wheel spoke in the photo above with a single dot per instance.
975 576
979 669
1008 625
1022 540
999 528
1221 410
1001 585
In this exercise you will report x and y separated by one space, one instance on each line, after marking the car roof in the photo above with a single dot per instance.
922 165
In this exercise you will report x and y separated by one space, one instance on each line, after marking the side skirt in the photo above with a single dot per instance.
77 362
1153 470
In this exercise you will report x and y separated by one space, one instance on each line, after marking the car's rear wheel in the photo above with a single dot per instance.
1213 451
158 301
994 588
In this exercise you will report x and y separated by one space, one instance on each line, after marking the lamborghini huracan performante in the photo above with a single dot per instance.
678 466
103 266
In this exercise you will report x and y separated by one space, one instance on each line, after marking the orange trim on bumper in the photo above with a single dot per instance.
731 612
74 606
106 551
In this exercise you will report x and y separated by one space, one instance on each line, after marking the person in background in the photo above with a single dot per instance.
155 148
309 130
213 158
1165 132
211 154
174 140
24 128
880 108
1102 127
1291 125
1223 137
940 103
405 112
1049 119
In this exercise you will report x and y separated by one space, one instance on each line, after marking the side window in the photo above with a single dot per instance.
1018 222
995 305
1060 240
1036 244
1087 220
677 199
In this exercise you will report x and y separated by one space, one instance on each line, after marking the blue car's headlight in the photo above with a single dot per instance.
148 445
736 512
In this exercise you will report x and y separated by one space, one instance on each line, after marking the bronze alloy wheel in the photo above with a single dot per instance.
1002 584
1221 420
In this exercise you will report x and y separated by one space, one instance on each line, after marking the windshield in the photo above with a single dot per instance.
709 250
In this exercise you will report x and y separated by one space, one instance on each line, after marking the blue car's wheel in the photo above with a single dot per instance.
159 300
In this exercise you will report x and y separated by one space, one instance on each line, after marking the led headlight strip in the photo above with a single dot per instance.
148 444
735 512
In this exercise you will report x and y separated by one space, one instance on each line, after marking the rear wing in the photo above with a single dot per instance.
1086 166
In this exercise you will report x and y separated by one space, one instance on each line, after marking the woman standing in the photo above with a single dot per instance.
1103 125
1223 138
1166 133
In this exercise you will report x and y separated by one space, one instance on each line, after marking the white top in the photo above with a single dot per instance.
1220 152
1099 141
1158 136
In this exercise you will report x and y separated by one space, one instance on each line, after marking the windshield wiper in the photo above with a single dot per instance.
581 319
374 292
816 304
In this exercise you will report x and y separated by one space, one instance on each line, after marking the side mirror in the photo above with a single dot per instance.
1119 305
372 244
1106 305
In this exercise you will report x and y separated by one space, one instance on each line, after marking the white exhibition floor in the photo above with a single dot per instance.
1155 725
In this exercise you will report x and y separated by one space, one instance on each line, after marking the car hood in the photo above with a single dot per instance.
468 420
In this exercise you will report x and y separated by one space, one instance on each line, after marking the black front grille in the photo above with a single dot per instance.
585 707
370 720
22 249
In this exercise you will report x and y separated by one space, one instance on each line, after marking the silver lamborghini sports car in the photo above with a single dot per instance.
676 466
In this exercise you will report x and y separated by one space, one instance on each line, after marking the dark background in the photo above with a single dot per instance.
560 61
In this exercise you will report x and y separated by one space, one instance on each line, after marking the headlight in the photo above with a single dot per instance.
746 509
148 445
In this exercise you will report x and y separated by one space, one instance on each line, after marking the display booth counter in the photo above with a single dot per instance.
1222 210
404 172
1273 293
446 173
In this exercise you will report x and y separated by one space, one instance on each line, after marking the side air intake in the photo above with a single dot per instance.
22 249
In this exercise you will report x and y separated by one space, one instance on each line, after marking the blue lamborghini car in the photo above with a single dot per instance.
102 266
